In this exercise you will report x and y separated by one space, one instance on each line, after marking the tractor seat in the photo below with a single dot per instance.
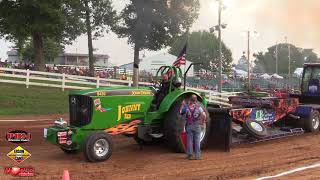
314 86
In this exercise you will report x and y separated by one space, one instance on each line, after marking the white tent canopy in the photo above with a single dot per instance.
265 76
276 76
240 72
154 62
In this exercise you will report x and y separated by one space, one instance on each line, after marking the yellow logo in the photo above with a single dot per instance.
124 110
101 93
141 93
19 154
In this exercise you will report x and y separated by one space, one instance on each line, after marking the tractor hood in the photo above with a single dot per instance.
116 91
106 107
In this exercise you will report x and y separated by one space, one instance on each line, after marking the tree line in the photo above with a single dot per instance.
265 62
40 29
39 24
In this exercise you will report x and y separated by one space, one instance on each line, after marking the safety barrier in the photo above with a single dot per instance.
216 97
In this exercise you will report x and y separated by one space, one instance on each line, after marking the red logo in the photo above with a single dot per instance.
18 136
64 137
20 171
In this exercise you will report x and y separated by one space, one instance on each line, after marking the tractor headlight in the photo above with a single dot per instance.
45 132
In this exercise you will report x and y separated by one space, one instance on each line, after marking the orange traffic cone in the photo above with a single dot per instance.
66 175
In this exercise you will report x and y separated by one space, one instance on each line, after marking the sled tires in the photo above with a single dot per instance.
98 147
255 129
312 123
67 151
174 125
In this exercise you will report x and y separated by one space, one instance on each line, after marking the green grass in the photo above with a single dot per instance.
19 100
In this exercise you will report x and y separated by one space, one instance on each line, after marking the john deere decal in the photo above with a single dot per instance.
18 136
19 154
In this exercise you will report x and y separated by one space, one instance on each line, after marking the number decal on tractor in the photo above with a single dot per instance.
259 115
101 93
127 116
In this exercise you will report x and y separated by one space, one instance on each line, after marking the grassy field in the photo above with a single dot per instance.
18 100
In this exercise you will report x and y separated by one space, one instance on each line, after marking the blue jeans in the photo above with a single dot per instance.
193 133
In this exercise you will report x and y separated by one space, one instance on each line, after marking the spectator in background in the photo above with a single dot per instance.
258 88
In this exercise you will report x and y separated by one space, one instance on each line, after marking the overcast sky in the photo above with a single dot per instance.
272 19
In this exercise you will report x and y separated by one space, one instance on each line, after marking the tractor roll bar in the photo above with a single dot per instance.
185 74
176 70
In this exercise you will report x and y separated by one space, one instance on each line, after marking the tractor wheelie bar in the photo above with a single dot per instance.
150 114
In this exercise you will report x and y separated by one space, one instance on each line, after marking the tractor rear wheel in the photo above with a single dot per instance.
174 125
312 123
98 147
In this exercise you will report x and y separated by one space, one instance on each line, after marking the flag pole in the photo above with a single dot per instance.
184 69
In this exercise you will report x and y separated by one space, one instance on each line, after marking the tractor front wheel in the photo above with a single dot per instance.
174 125
98 147
312 123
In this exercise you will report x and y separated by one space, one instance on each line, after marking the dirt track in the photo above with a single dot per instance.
157 162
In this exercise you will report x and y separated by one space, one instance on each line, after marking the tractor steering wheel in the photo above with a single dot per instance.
158 78
156 84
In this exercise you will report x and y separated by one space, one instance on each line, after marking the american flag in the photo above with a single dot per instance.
181 60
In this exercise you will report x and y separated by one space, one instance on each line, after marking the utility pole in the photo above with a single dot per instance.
248 57
289 54
289 57
276 58
220 47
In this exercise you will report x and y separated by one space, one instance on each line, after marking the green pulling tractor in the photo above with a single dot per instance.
147 114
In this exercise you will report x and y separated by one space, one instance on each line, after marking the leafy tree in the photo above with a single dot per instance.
265 62
40 19
51 50
97 16
310 56
20 45
152 25
242 63
261 64
203 47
